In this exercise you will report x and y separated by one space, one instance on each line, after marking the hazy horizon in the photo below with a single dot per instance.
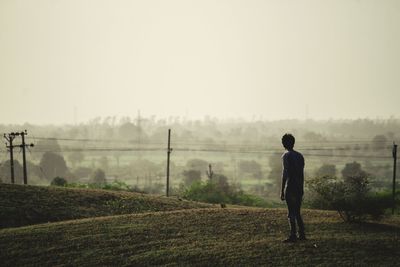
71 61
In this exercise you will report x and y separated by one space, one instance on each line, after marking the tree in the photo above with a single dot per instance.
98 177
191 176
353 170
129 131
379 142
326 170
275 174
197 164
5 172
47 145
53 165
251 167
103 161
58 181
76 157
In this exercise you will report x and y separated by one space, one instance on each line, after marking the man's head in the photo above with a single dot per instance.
288 141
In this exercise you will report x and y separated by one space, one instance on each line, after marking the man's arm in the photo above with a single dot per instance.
284 176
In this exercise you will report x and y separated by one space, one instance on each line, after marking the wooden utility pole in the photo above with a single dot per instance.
394 176
10 137
210 172
24 146
169 149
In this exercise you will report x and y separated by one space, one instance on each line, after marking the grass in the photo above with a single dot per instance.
22 205
198 237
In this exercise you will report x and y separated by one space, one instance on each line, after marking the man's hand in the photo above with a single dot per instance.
282 196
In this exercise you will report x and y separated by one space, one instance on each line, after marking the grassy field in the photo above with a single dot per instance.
25 205
213 237
170 232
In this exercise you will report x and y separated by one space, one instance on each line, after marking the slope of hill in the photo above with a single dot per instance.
25 205
212 237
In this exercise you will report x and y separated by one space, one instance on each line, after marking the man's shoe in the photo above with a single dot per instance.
290 239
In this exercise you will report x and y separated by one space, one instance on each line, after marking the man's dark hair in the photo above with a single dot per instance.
288 141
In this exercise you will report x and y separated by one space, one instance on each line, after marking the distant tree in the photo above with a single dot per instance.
117 155
53 165
103 162
98 177
191 176
47 145
76 157
251 167
143 168
326 170
197 164
128 131
58 181
5 172
353 170
222 182
275 174
314 137
379 142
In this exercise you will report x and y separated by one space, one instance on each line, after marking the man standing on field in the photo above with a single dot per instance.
293 187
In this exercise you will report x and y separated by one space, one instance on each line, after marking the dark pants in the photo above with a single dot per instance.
294 204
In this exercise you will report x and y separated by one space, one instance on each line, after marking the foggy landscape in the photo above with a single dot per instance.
91 89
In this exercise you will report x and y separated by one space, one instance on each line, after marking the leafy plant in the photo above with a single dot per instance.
350 196
58 181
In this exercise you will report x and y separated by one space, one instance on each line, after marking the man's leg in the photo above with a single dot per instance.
291 203
299 219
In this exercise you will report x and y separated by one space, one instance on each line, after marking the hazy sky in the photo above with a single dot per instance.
223 58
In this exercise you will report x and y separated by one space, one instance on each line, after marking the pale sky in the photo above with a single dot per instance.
224 58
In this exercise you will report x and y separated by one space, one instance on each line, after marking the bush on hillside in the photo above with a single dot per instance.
58 181
350 196
219 190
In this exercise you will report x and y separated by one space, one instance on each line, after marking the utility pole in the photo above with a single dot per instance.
24 146
139 134
10 137
169 150
210 172
394 175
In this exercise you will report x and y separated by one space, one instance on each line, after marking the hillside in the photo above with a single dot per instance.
210 237
25 205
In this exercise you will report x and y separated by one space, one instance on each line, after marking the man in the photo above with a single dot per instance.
293 187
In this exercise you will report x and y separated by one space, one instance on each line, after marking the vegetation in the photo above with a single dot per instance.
25 205
199 237
350 196
59 181
218 190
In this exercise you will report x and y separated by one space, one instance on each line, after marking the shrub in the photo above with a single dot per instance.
219 191
58 181
351 197
115 186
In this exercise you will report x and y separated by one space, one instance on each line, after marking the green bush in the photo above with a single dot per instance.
58 181
350 196
219 191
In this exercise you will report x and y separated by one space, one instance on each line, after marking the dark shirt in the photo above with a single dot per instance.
293 171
